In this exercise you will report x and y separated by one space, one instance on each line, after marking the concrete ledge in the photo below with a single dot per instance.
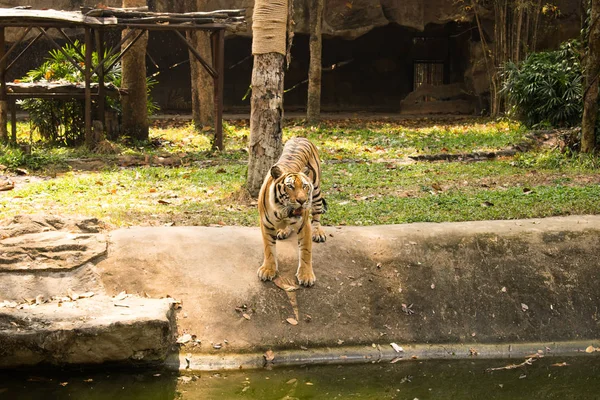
87 331
473 284
450 290
378 353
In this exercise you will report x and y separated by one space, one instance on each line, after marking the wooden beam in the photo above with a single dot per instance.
89 138
219 64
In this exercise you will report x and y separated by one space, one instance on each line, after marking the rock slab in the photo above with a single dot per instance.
87 331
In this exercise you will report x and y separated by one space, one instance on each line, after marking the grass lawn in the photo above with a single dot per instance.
368 176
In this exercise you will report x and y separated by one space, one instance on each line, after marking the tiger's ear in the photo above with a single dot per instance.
276 172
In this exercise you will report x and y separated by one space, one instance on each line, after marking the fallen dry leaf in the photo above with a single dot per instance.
246 316
562 364
407 309
269 355
286 284
183 339
397 348
121 296
292 321
591 349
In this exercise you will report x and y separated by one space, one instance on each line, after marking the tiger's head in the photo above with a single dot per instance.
293 191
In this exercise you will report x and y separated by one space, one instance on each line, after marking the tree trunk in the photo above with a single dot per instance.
203 97
313 106
134 103
265 119
3 97
590 98
269 31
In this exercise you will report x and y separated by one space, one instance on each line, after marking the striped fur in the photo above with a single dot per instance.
290 199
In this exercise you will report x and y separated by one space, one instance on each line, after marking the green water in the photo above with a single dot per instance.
404 380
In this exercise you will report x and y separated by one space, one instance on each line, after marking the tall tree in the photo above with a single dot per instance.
313 106
133 81
592 72
269 47
203 101
514 36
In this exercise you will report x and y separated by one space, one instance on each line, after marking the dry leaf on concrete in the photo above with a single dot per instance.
292 321
397 348
269 355
591 349
286 284
562 364
121 296
183 339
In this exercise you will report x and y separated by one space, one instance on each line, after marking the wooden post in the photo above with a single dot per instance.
219 66
3 97
13 119
89 137
101 100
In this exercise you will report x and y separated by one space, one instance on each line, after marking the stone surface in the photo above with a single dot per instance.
454 285
49 244
415 283
86 331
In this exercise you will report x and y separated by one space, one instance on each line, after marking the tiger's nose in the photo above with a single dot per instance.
301 201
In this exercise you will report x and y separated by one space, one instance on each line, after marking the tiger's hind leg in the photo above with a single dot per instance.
318 234
319 208
284 233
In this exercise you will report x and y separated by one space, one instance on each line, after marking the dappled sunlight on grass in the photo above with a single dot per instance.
397 140
367 177
120 196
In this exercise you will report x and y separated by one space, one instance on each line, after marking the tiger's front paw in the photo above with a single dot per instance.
306 276
267 273
284 233
318 235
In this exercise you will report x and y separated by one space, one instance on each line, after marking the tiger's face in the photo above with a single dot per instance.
294 193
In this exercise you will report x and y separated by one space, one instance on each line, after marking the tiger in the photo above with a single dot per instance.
290 199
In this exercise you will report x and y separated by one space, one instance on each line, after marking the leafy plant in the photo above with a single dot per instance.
547 87
62 121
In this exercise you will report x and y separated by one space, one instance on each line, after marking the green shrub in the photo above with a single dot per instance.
546 89
63 121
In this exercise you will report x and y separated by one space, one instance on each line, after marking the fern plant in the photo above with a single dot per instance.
547 87
63 121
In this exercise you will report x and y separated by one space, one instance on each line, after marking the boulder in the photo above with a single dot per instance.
87 331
